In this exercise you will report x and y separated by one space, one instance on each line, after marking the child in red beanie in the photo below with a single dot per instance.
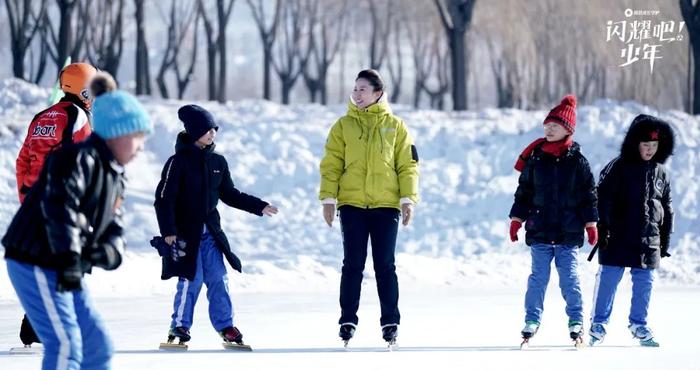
556 197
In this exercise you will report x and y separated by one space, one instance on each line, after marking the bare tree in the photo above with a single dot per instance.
456 17
503 76
104 41
267 36
419 48
37 64
25 21
62 44
292 53
325 39
381 21
691 14
395 61
436 81
143 74
180 20
216 47
430 55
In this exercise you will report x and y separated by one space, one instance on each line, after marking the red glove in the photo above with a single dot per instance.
514 227
592 232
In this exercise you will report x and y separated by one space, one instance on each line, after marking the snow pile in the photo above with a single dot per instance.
459 237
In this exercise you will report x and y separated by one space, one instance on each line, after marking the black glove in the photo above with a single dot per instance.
106 256
664 253
69 278
174 251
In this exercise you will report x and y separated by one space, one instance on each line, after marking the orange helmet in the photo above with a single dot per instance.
75 79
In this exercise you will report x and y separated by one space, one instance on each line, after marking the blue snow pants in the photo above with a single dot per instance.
606 281
566 262
212 272
67 323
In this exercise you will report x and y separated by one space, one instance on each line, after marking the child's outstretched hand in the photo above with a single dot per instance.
270 210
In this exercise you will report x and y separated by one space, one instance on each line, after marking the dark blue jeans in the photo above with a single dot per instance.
359 225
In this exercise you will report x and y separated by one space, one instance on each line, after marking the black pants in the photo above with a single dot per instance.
381 226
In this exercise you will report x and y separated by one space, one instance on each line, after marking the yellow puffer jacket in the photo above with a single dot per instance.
370 160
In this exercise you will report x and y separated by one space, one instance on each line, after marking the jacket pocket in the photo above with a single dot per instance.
534 220
388 143
572 221
656 212
352 155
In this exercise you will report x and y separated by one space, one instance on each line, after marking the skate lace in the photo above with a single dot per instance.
530 327
643 332
598 331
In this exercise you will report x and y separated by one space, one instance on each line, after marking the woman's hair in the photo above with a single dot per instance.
373 77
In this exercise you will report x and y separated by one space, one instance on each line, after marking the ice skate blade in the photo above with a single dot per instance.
26 351
173 346
392 346
236 347
578 343
525 344
649 344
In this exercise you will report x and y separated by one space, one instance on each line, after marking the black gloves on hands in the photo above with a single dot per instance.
174 251
69 278
106 256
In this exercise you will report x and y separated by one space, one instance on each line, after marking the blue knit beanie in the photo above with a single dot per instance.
118 113
197 120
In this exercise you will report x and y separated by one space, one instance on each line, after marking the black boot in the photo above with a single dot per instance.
390 332
347 331
181 333
27 334
232 335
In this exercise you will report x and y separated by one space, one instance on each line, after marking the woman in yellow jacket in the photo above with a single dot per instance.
370 172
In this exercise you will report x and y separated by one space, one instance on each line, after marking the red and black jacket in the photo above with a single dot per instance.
66 121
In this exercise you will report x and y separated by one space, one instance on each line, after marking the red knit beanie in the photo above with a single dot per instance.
564 114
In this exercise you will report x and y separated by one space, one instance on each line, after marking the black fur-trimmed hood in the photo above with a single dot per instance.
638 131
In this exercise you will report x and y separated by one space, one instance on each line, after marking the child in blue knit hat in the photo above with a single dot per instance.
69 223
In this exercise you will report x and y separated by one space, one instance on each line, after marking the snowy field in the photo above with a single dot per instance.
462 281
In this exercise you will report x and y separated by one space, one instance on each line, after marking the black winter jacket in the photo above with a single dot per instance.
636 212
556 197
192 182
72 215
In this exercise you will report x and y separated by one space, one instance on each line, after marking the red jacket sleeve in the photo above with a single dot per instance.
23 164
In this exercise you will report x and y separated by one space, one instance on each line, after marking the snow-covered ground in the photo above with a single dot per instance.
457 245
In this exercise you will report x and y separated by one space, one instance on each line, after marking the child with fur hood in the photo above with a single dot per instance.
636 221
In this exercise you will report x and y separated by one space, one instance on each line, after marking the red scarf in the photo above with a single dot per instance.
556 148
